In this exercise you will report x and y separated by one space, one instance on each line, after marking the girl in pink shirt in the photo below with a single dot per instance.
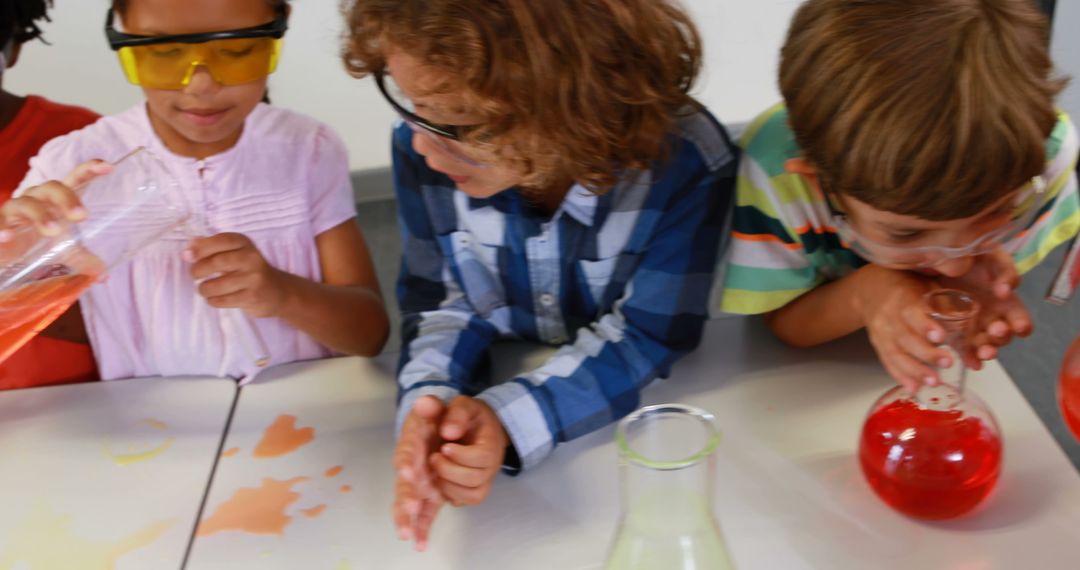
271 188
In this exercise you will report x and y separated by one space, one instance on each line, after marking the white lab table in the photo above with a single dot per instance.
789 491
108 475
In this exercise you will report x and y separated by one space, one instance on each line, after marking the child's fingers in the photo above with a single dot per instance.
424 520
1006 277
86 172
920 348
461 496
205 247
920 323
222 262
35 212
909 372
61 199
1019 319
478 456
448 470
460 418
999 333
409 453
404 508
983 353
225 285
429 407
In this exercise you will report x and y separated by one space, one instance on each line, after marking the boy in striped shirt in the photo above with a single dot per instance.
917 147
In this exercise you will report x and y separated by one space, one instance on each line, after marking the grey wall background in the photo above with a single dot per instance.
1066 51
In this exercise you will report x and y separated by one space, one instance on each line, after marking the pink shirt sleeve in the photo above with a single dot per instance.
331 190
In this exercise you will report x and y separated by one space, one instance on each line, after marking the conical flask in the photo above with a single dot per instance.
1069 388
935 454
667 469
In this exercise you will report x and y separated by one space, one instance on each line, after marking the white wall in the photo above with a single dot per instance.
742 38
1066 51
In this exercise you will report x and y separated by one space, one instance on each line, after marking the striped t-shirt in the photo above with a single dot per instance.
783 242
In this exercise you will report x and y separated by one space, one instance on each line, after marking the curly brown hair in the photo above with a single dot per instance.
567 89
930 108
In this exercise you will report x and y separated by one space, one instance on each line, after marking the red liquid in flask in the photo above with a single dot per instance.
1069 388
929 464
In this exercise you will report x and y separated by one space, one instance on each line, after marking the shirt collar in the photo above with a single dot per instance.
579 203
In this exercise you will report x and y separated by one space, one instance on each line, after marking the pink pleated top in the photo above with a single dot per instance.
285 182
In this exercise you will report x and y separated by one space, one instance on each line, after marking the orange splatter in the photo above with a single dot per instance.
230 452
259 511
334 471
283 437
346 488
313 511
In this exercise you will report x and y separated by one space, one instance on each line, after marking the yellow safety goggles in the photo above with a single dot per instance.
232 57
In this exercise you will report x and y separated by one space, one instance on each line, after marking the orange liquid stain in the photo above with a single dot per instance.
230 452
259 510
282 437
346 488
334 471
313 511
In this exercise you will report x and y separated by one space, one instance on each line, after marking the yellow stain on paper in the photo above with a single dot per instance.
158 425
147 452
343 565
46 542
129 458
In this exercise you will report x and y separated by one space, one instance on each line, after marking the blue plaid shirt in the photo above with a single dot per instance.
620 281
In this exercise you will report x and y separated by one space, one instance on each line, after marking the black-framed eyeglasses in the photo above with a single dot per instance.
449 138
232 57
274 29
452 132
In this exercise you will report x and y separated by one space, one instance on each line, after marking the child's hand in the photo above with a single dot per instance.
48 204
473 455
236 275
993 280
900 329
416 499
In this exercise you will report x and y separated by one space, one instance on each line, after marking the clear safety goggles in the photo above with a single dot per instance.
1025 206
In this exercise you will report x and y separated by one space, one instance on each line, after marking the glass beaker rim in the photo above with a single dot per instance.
967 308
705 418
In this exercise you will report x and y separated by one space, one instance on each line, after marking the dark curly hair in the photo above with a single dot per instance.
19 19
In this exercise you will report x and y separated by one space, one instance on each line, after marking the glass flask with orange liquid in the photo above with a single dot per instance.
136 203
667 469
41 276
935 454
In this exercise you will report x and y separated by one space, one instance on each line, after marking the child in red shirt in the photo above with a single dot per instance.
61 354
